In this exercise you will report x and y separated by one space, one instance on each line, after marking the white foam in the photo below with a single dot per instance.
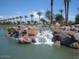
45 37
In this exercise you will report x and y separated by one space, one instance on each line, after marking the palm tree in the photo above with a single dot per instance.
31 15
77 19
51 11
48 15
59 18
28 22
20 18
10 20
66 4
13 19
39 14
25 17
61 11
17 18
43 20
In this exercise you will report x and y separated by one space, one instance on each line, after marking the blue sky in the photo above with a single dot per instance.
24 7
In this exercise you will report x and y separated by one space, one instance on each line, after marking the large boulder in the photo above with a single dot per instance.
24 40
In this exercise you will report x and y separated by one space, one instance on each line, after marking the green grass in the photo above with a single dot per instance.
6 26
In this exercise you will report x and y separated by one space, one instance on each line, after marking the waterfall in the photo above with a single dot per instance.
44 37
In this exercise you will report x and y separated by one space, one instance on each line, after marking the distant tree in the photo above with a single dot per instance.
39 14
10 19
35 22
31 15
20 18
13 20
25 18
77 19
17 18
18 22
28 22
32 21
43 20
61 11
48 15
71 23
59 18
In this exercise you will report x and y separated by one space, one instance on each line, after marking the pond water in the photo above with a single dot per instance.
10 49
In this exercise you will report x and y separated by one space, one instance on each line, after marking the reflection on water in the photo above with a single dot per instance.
10 49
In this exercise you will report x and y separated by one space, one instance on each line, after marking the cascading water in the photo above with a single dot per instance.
44 37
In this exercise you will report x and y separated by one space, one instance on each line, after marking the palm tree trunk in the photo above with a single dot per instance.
39 19
67 10
31 18
51 12
15 20
25 19
65 5
20 20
